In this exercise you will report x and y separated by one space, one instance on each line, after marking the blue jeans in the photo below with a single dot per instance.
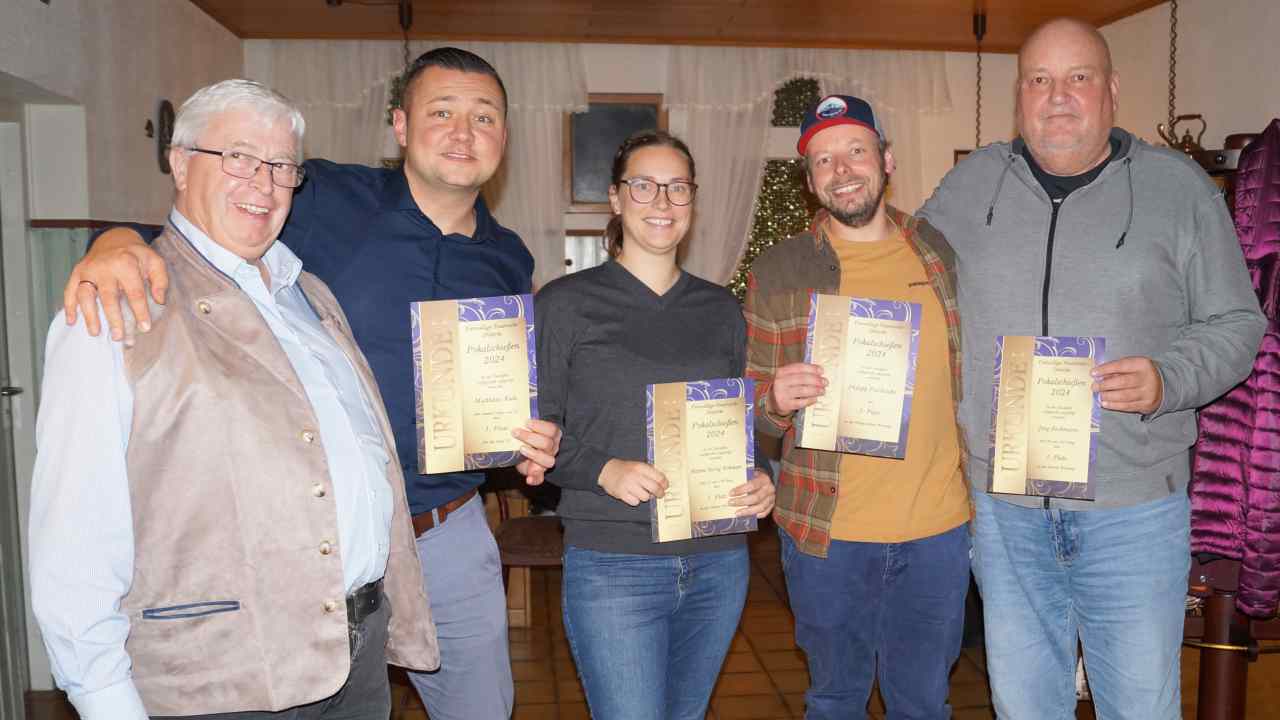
650 632
899 603
463 574
1117 579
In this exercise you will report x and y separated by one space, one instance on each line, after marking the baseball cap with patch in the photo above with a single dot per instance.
837 110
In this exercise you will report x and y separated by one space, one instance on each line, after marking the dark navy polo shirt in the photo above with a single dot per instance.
359 230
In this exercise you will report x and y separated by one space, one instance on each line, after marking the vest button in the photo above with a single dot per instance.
308 436
330 606
204 307
326 548
317 490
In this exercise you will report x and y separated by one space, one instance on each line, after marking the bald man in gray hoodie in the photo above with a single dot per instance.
1077 228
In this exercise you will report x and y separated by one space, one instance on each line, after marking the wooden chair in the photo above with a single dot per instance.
528 541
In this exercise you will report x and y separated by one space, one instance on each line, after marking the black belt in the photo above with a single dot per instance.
363 602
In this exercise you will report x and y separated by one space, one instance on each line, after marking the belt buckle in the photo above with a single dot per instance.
363 602
435 517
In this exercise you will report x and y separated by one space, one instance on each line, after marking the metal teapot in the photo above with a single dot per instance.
1186 144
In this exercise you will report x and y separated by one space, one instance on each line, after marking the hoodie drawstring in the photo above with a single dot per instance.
991 209
1128 164
1128 223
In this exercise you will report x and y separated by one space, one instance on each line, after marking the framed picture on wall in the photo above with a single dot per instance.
591 138
959 155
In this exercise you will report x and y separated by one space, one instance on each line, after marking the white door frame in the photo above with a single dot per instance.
34 668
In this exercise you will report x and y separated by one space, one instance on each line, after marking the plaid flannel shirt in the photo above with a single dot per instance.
777 313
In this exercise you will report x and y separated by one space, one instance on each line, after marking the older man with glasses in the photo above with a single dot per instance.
225 534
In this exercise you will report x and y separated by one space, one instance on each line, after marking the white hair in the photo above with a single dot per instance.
194 115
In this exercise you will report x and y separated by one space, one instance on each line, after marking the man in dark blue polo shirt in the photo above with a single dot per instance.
382 239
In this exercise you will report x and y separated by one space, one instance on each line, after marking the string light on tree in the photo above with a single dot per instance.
783 208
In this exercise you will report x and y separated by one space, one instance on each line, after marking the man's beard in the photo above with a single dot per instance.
859 215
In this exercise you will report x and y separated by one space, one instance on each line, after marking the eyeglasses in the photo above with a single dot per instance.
245 166
645 191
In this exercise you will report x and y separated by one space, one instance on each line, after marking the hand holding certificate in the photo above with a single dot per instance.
700 436
868 350
1045 416
476 379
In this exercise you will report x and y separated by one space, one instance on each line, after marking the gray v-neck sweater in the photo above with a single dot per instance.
602 336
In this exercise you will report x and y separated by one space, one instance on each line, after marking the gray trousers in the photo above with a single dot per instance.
462 570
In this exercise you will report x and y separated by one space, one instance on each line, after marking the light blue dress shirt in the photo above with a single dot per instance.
81 529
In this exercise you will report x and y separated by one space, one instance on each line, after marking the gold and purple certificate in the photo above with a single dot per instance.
1045 416
868 350
700 435
475 375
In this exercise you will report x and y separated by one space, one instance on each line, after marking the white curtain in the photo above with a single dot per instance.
343 88
727 94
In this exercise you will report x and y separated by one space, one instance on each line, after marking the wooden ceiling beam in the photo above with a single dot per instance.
885 24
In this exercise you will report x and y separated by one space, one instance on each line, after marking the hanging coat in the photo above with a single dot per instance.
1235 486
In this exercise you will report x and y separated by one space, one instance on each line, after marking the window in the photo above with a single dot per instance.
583 249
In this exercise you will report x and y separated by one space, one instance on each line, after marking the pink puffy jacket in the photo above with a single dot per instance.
1235 487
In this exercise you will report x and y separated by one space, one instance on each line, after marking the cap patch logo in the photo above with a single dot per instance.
831 107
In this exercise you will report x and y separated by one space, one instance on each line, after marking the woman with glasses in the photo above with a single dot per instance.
648 623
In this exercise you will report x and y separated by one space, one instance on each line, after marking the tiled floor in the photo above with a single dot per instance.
764 675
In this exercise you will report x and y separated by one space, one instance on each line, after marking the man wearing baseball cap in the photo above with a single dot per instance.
875 550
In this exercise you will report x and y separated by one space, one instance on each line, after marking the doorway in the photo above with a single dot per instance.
17 419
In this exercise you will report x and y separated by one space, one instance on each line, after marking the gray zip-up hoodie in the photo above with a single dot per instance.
1145 256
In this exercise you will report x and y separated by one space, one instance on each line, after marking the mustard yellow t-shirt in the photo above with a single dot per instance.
888 500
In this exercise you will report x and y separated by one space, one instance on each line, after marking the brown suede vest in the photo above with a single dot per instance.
237 600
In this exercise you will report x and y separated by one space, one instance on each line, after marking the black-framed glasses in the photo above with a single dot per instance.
645 191
244 166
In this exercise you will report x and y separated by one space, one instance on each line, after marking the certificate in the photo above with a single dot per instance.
699 434
475 375
1044 416
868 351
